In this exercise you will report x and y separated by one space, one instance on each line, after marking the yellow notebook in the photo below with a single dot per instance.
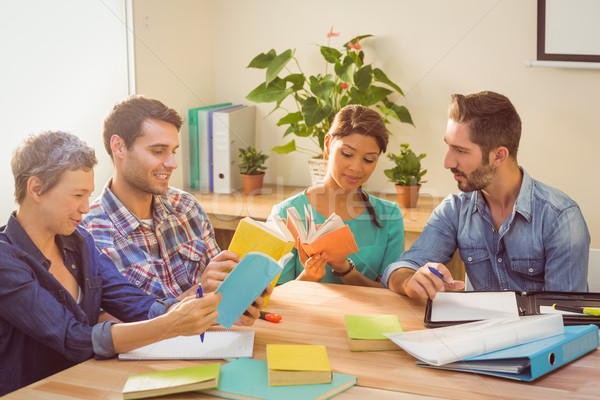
365 332
295 364
256 236
160 383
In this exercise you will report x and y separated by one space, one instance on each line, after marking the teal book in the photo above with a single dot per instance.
529 361
198 146
246 378
244 284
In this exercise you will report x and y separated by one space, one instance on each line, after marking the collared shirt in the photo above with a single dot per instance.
542 245
43 329
164 259
378 247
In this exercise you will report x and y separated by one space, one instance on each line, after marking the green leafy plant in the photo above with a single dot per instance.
319 97
407 171
253 161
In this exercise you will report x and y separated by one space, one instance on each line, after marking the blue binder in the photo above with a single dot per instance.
529 361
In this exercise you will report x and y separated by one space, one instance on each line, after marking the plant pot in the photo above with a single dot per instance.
318 170
407 195
252 183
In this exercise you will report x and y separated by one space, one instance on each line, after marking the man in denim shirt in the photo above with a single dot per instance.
512 232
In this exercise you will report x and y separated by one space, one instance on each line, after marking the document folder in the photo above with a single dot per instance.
529 361
198 146
471 306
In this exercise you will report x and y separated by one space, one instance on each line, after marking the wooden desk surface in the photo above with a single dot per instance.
313 314
226 210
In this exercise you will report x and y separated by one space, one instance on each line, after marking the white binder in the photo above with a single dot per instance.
232 129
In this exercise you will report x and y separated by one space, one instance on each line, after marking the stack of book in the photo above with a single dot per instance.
216 132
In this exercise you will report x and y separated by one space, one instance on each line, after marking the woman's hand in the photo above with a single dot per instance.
314 267
192 316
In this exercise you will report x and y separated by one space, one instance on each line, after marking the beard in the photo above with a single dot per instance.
479 179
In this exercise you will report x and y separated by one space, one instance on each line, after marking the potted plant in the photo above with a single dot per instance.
316 99
406 175
252 168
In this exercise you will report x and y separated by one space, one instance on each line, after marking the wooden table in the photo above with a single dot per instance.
313 314
226 210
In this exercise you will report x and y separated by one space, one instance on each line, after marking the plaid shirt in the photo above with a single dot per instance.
165 259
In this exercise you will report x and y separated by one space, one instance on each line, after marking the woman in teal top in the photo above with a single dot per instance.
353 145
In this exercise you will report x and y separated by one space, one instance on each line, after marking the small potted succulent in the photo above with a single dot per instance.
406 175
252 169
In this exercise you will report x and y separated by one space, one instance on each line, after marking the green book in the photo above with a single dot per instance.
246 378
198 146
160 383
365 332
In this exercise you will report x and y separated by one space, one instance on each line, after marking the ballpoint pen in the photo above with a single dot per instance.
199 295
438 274
580 310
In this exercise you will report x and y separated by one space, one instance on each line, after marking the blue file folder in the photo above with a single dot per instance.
529 361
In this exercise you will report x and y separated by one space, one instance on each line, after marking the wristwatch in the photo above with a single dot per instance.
340 274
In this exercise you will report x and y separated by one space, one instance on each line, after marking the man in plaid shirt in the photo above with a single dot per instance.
159 237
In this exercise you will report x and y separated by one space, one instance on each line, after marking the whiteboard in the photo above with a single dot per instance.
64 65
569 30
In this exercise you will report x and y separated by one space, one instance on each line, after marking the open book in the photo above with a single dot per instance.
332 236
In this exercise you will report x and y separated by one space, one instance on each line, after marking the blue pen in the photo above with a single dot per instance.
199 295
438 274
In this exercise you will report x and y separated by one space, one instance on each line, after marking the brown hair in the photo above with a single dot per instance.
491 118
126 119
359 119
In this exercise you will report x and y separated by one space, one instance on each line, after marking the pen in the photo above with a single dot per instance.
438 274
580 310
199 295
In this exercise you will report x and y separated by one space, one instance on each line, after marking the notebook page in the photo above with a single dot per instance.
448 306
216 345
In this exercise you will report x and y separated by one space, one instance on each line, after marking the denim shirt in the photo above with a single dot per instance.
542 245
44 330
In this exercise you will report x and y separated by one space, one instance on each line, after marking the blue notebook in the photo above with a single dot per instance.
244 284
529 361
246 378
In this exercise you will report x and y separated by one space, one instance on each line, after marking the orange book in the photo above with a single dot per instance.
333 236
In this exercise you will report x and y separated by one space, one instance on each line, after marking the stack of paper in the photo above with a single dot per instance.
440 346
529 361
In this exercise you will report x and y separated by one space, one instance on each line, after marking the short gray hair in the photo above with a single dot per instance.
47 156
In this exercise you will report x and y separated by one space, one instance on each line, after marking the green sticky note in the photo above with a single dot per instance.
371 327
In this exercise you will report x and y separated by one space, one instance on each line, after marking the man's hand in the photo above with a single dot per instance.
423 283
217 270
253 312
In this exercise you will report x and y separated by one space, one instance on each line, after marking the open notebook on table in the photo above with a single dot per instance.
216 345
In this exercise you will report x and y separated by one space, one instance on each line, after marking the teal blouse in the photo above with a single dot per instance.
378 247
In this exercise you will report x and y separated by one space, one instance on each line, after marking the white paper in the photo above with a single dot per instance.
216 345
473 306
441 346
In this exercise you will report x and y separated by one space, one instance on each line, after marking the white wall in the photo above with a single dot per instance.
64 64
432 48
